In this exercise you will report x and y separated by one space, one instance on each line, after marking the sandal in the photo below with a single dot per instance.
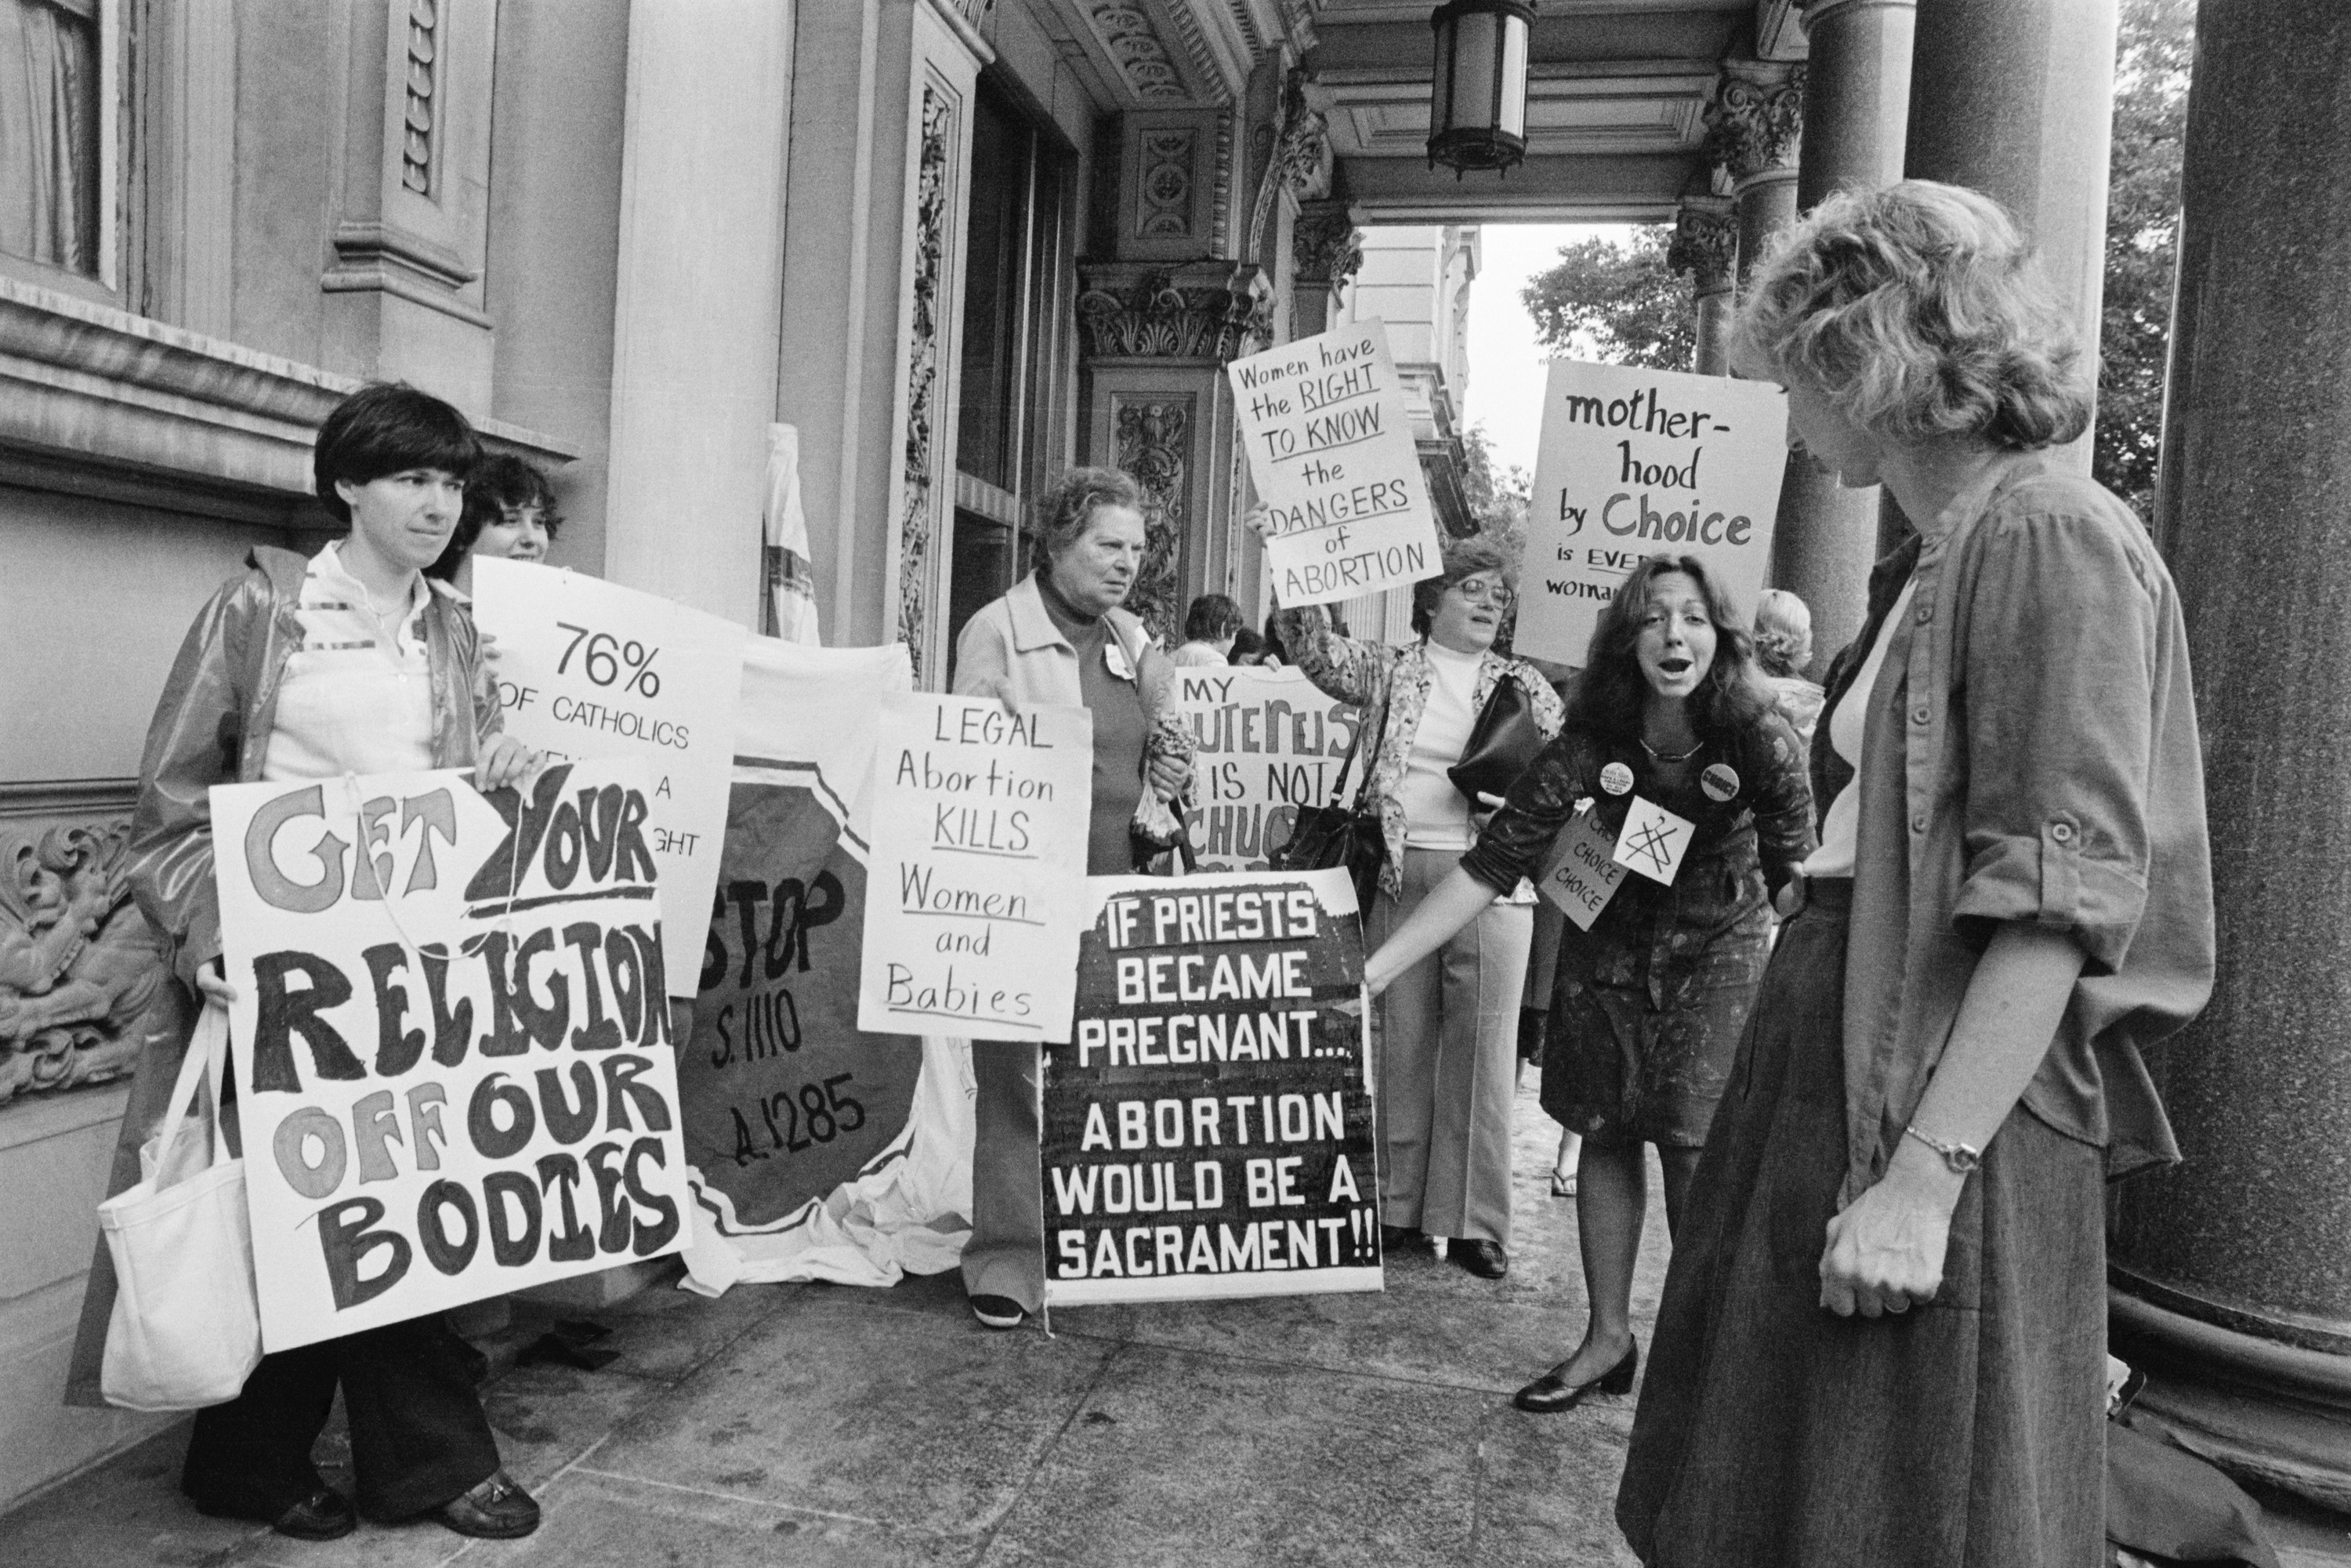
1563 1184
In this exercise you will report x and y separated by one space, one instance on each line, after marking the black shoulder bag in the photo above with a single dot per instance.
1326 837
1502 744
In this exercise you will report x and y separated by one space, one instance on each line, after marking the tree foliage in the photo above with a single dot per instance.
2151 65
1616 303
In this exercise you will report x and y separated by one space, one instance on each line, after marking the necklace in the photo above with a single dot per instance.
1657 755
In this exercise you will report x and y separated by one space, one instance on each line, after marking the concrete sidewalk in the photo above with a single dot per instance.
813 1425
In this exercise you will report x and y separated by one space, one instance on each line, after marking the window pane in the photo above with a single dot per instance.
48 133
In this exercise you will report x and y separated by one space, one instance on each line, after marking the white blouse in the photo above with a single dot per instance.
1840 828
1435 813
357 697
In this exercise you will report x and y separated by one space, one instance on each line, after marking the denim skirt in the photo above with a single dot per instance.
1966 1433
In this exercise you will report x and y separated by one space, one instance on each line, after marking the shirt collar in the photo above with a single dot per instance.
328 565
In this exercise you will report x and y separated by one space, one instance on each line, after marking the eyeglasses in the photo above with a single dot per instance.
1499 595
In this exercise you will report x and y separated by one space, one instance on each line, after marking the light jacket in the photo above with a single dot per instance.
212 725
1010 649
2031 753
1374 674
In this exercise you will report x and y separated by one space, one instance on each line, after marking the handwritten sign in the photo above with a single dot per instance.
1331 447
1653 840
1634 463
979 864
455 1068
1582 874
586 668
1269 746
1207 1132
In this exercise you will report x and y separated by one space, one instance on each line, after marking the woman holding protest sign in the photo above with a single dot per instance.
509 515
347 662
1447 1036
1646 1003
1882 1339
1060 638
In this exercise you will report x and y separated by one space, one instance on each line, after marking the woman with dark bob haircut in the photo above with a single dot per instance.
1647 1006
345 662
1882 1341
1062 637
1447 1041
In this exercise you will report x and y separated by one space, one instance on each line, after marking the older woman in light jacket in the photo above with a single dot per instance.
1060 639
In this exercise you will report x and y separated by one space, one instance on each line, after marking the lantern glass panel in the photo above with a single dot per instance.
1514 76
1440 107
1476 58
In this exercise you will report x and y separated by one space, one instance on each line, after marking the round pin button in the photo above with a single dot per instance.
1616 778
1721 781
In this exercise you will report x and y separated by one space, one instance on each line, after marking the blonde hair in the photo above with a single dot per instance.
1919 310
1783 633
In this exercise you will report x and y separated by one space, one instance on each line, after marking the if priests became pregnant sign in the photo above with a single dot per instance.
978 868
1208 1131
454 1064
1331 448
1637 461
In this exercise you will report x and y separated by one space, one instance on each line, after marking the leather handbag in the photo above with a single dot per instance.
1326 837
1501 742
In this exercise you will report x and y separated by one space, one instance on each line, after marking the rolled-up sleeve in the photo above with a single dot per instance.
1783 801
2057 670
1519 835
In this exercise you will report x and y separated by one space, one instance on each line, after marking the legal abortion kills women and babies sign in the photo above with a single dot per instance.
1637 462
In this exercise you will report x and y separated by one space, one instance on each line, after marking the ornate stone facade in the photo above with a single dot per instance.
1755 124
1705 242
1207 310
915 521
416 141
78 964
1163 194
1143 57
1324 245
1153 439
1299 162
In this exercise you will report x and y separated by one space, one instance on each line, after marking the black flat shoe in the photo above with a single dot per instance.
496 1509
325 1515
1550 1394
998 1311
1484 1258
1400 1238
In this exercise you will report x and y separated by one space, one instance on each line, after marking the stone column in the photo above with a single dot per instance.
2016 98
1706 245
1753 130
1856 99
2232 1274
1325 251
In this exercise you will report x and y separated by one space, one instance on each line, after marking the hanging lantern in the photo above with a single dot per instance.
1478 97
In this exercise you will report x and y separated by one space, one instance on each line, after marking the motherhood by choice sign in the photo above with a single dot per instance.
1635 462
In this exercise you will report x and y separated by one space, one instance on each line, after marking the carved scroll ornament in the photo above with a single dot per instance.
78 964
1756 121
1208 311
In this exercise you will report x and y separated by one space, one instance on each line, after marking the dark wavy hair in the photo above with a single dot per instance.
1064 510
498 481
1609 700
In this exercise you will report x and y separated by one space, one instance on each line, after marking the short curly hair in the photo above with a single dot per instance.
1068 504
1919 310
1462 558
1783 633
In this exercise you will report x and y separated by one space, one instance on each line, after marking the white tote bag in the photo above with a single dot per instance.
187 1329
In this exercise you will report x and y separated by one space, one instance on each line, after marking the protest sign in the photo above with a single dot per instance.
454 1064
1331 447
1207 1131
979 843
1582 873
1635 462
818 1152
586 668
1269 746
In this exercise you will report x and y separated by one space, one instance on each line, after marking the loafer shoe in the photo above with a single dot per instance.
1484 1258
497 1510
325 1515
1550 1394
998 1311
1401 1238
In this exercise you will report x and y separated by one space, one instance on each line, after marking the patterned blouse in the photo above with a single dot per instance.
1396 680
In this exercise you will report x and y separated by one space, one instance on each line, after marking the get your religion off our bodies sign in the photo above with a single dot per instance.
456 1076
1635 462
1331 448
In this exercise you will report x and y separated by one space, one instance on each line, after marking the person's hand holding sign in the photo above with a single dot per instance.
504 762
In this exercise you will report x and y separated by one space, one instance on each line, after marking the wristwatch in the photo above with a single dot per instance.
1961 1157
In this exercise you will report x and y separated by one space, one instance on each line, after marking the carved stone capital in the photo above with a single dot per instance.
1705 242
1756 122
78 964
1323 244
1207 311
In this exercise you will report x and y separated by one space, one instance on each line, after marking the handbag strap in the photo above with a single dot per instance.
1364 789
206 1054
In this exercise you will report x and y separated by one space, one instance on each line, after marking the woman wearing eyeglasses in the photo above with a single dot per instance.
1446 1031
